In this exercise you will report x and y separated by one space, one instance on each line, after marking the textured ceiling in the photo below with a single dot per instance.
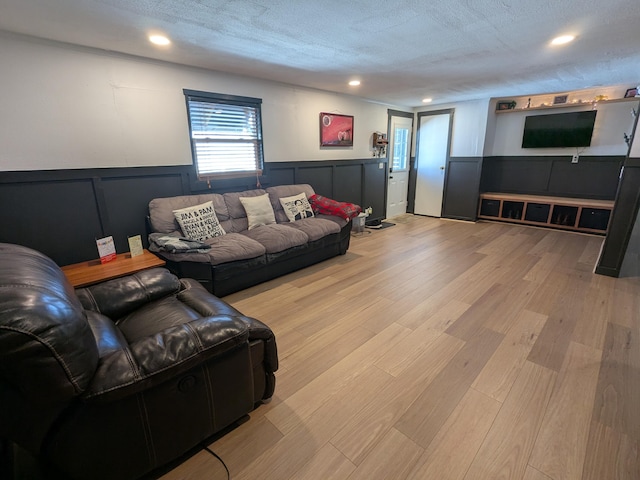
402 50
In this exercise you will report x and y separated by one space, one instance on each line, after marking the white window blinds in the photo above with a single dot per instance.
226 134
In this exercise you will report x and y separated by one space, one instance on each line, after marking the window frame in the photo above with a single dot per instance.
225 99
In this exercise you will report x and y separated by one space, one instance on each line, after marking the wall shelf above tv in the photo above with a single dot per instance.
570 104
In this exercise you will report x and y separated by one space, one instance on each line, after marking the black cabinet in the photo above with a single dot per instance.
489 207
537 212
594 218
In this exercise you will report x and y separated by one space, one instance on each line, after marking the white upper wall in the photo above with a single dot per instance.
66 107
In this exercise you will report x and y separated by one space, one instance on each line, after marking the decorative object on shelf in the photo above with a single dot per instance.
380 143
506 105
135 245
336 130
528 104
599 98
560 99
106 249
632 92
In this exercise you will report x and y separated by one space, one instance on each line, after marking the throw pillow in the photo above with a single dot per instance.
259 210
296 207
199 222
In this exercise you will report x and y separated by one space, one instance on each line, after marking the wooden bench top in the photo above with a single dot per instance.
570 201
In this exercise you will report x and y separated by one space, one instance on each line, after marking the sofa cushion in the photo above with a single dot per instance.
315 228
296 207
277 238
259 211
232 247
199 222
161 210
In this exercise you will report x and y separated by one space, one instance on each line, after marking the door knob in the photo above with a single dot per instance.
441 168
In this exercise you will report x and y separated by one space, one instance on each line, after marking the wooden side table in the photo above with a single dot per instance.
87 273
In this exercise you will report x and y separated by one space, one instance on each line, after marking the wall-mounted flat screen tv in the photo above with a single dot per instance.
559 130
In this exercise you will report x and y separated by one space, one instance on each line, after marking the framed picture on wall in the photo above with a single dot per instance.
560 99
631 92
336 130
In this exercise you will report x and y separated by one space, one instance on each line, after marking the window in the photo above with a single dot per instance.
226 134
400 148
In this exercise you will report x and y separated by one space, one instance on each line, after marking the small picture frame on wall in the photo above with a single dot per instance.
631 92
336 130
560 99
510 105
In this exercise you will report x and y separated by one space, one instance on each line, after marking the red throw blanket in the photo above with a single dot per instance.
327 206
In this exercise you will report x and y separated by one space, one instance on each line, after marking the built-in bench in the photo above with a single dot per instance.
579 214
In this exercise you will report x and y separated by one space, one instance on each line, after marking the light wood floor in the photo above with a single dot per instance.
440 350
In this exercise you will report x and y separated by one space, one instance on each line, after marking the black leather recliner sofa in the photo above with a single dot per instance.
117 379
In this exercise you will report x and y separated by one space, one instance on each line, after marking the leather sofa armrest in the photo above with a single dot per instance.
151 360
115 298
198 298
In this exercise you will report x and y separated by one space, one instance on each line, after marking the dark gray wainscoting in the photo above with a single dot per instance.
62 212
592 177
623 218
461 188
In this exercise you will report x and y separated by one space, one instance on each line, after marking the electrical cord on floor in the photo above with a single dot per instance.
221 461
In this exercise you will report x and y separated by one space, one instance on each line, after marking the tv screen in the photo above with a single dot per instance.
559 130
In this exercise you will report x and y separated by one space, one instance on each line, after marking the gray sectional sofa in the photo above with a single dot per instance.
243 257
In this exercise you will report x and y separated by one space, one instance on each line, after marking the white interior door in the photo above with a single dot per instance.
432 152
398 181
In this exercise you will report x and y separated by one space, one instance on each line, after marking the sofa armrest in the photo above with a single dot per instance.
198 298
115 298
128 369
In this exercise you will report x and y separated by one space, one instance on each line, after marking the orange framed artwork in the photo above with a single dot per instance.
336 130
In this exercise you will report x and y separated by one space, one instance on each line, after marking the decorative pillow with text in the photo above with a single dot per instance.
199 222
296 207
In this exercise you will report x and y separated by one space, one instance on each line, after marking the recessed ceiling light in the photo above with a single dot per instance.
427 100
159 40
354 83
562 39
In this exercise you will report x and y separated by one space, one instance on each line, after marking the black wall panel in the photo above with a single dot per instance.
128 198
461 189
59 218
516 175
319 177
594 177
374 191
282 175
347 183
591 177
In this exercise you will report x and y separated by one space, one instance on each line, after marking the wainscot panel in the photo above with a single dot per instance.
461 188
591 177
62 212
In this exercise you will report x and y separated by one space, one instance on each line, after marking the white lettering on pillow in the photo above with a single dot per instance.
199 222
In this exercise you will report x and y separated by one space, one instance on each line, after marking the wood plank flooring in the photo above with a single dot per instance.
444 350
